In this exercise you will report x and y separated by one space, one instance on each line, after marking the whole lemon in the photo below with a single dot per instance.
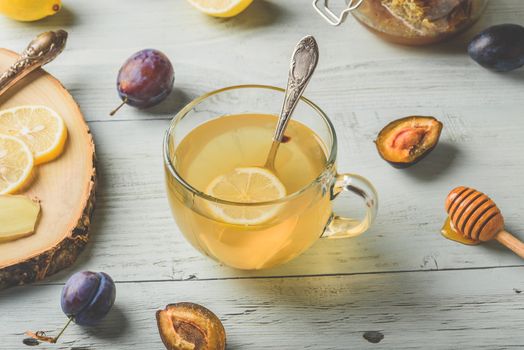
29 10
221 8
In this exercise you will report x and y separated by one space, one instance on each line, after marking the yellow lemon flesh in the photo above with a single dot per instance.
29 10
221 8
246 185
39 127
16 164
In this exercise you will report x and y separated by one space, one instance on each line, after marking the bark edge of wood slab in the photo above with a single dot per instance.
67 244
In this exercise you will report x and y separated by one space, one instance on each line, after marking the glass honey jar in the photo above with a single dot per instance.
409 22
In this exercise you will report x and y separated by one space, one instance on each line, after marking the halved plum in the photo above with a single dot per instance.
188 326
405 141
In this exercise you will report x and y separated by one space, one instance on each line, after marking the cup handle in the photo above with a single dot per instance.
341 227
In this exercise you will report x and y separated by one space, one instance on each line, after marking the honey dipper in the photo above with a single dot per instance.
475 216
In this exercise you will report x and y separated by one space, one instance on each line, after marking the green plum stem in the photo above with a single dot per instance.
124 101
55 339
41 336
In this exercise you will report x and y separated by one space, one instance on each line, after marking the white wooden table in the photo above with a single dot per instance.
401 278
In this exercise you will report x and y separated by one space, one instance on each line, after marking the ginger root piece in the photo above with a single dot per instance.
18 217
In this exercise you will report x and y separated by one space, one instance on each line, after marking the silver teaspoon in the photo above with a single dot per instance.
41 50
303 63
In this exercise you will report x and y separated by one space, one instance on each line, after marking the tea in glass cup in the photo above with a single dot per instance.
236 211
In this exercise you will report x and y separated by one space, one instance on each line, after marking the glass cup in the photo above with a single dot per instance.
302 217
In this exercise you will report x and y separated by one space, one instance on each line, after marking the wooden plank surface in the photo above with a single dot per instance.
356 71
133 225
479 146
367 283
479 309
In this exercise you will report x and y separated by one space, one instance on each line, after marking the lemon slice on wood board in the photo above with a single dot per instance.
221 8
246 185
39 127
16 164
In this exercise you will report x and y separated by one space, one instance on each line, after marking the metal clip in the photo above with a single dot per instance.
324 10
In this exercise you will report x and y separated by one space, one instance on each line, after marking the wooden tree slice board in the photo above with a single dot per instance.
65 186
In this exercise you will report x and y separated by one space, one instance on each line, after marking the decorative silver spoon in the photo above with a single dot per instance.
41 50
303 63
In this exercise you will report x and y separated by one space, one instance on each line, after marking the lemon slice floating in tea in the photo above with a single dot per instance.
39 127
221 8
246 185
16 163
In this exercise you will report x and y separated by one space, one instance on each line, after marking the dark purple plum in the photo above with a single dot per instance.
78 292
100 305
500 47
86 299
88 296
145 79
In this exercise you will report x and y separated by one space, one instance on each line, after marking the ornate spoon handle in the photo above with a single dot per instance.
303 63
41 50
